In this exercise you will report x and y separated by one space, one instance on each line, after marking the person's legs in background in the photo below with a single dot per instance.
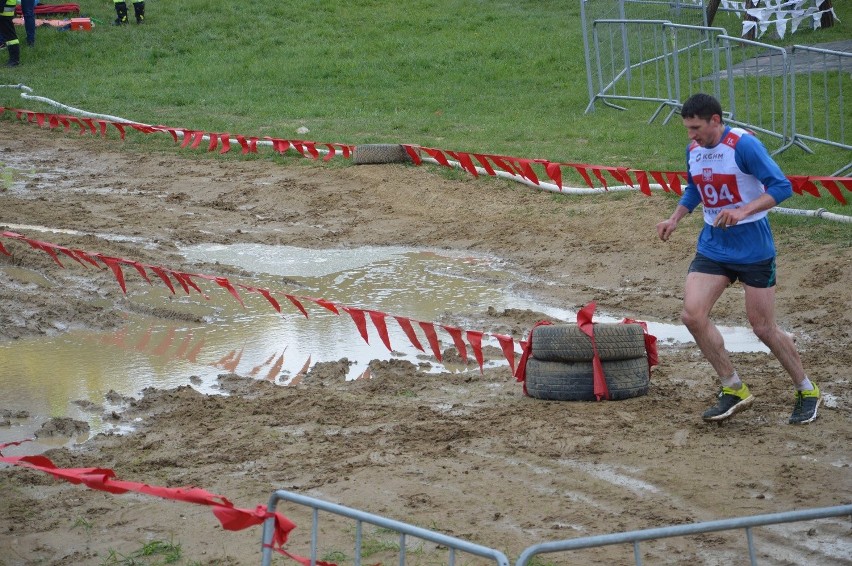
28 8
7 33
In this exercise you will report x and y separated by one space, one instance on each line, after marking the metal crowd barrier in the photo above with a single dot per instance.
817 73
635 537
655 60
452 544
758 90
455 545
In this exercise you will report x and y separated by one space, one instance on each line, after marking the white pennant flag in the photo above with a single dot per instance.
781 25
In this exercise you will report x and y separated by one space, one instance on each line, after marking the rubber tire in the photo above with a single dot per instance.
380 153
560 381
567 343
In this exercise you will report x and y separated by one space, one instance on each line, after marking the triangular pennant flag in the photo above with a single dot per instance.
378 319
432 337
405 324
360 321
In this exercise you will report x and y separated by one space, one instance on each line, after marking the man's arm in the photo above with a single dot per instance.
667 227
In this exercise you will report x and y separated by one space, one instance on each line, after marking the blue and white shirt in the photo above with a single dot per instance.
731 174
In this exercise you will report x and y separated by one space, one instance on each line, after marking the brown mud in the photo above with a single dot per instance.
464 454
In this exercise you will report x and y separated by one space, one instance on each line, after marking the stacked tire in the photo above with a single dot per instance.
560 368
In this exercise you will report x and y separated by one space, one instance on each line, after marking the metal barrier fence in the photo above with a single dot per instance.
663 62
756 89
635 537
360 517
454 545
818 74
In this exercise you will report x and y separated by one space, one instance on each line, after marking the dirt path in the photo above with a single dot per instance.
467 455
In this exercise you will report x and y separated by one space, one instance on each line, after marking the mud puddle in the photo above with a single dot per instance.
90 375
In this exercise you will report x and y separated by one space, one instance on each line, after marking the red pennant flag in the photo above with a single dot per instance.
188 278
180 279
438 156
324 303
405 324
330 155
86 257
243 144
312 149
554 171
644 185
268 296
504 165
456 334
297 304
69 253
474 338
113 264
197 138
214 142
226 143
89 122
466 162
658 177
139 269
832 187
507 344
360 321
187 138
378 319
581 169
674 181
527 171
46 248
483 160
173 133
413 154
223 282
597 172
432 337
161 273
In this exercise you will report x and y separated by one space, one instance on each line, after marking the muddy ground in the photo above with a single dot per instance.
464 454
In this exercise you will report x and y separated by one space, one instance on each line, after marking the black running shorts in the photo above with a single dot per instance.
760 274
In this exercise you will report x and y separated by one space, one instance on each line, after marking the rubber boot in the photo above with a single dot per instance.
120 13
139 8
14 55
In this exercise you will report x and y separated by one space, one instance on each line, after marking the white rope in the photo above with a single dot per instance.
118 119
819 213
544 186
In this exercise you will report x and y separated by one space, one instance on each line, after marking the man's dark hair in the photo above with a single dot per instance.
702 106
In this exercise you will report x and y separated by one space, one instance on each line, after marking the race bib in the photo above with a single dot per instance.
718 190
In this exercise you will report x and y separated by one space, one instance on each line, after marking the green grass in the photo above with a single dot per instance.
491 76
156 552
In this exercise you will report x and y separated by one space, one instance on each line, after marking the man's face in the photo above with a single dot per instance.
706 133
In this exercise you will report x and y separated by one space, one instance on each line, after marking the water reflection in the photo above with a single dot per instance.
189 340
